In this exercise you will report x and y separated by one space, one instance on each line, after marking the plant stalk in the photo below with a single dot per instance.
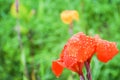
23 58
87 65
82 77
71 28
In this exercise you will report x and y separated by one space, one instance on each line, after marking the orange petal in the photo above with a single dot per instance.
66 58
57 68
106 50
77 67
69 60
81 47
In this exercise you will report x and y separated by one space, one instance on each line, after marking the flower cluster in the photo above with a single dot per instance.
81 48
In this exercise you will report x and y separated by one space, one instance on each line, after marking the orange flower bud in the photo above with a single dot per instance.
69 15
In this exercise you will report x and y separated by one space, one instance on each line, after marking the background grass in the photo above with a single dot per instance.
44 35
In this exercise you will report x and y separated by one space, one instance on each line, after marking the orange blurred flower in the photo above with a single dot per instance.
68 16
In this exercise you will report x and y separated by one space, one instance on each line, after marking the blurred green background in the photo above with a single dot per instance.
43 36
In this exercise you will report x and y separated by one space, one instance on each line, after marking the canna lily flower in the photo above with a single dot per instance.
79 49
69 15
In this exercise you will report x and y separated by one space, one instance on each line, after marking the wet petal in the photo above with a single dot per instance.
106 50
81 47
69 60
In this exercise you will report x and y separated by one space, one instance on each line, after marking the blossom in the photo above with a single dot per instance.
68 16
79 49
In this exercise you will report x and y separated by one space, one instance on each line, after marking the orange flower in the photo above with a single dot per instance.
105 50
77 50
80 49
69 15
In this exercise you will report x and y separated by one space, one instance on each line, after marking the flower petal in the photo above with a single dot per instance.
57 68
77 67
81 47
68 60
106 50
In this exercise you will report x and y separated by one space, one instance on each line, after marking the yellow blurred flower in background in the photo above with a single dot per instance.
22 11
68 16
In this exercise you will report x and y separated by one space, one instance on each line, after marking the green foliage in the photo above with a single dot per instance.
44 35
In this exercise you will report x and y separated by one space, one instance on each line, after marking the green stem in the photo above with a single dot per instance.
30 37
